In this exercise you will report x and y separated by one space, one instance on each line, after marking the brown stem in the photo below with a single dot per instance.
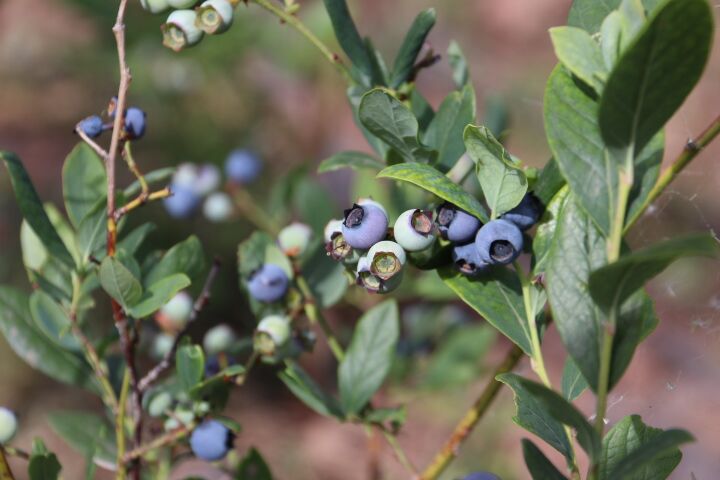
5 472
97 148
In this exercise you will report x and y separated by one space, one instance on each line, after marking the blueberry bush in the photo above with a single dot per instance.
444 210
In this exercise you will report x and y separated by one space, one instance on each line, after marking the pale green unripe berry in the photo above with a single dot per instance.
413 230
386 259
272 333
333 226
160 404
162 343
218 339
294 239
180 31
174 315
215 16
155 6
373 283
8 425
178 4
218 207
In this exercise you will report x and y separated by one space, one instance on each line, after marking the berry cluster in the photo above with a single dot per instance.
378 254
186 25
133 128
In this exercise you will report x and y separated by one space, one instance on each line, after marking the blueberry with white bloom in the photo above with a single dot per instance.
386 259
219 339
456 225
207 180
294 239
218 207
178 4
215 16
179 30
499 242
413 230
211 440
242 166
91 126
526 214
175 314
8 425
271 334
373 283
268 284
333 227
155 6
467 259
182 202
364 225
135 123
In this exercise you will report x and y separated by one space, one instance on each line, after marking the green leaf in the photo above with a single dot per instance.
158 294
573 383
86 433
580 54
369 357
186 257
84 182
33 346
32 209
251 253
545 232
326 278
496 116
190 364
612 284
458 64
91 233
396 416
411 46
43 464
647 170
534 416
313 203
502 180
635 451
347 35
355 95
538 465
132 241
120 283
656 73
53 320
305 388
445 132
391 121
574 138
350 159
216 389
430 179
497 296
549 182
458 359
253 467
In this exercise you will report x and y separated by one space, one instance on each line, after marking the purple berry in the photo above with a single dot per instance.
456 225
92 126
242 166
134 123
499 242
268 284
364 226
467 259
211 440
526 214
182 203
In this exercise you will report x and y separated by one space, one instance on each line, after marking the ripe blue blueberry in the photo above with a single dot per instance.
217 363
456 225
467 259
364 225
91 126
207 179
268 284
481 476
134 123
526 214
182 203
242 166
499 242
8 425
413 230
211 440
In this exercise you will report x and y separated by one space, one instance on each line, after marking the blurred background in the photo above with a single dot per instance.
261 86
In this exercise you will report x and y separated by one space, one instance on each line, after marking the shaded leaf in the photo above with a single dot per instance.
86 433
347 35
158 294
52 320
350 159
253 467
120 283
538 465
84 182
458 64
43 464
573 383
190 364
411 46
458 359
545 233
445 132
305 388
186 257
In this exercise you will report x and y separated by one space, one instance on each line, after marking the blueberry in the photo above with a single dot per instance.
211 440
413 230
179 30
364 226
333 227
185 175
481 476
218 207
207 179
178 4
134 123
386 259
271 333
499 242
242 166
217 363
268 284
182 203
467 259
174 315
218 339
182 416
295 239
526 214
91 126
373 283
8 425
456 225
155 6
159 404
215 16
161 345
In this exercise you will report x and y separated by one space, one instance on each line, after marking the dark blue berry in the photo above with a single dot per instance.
134 123
268 284
526 214
211 440
242 166
182 203
92 126
364 226
467 259
456 225
499 242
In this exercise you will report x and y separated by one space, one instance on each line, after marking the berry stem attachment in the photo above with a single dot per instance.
162 441
316 317
247 206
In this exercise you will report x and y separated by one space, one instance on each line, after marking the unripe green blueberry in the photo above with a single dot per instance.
373 283
215 16
333 226
218 207
159 404
174 315
386 259
155 6
218 339
413 230
181 417
162 343
179 4
271 334
294 239
180 31
8 425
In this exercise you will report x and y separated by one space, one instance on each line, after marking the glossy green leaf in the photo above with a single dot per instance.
132 241
379 71
158 294
573 383
190 364
43 464
33 346
325 277
545 233
411 46
534 416
253 467
647 170
589 14
313 203
549 182
369 357
635 451
251 253
458 64
612 284
84 182
656 73
421 108
86 433
350 159
32 209
445 132
53 320
497 296
92 232
580 54
458 359
355 94
538 465
503 182
305 388
186 257
391 121
347 35
610 39
120 283
430 179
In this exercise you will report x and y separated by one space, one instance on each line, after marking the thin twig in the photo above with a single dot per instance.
159 442
5 472
97 148
16 452
199 304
